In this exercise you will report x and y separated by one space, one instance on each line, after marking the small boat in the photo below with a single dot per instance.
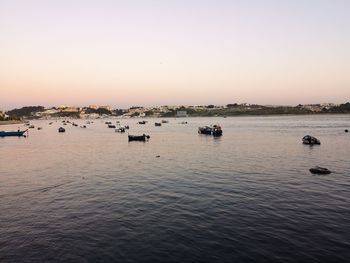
40 128
64 123
319 170
141 138
183 122
50 123
12 133
75 125
61 129
111 126
120 129
126 127
165 121
214 130
310 140
31 126
142 122
108 122
157 124
84 126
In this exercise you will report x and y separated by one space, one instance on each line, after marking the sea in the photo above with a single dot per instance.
89 195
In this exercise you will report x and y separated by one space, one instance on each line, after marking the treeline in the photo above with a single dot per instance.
27 111
342 108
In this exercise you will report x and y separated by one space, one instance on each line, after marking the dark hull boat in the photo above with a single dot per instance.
12 133
157 124
310 140
319 170
210 130
141 138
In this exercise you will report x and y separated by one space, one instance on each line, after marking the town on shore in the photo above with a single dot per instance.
234 109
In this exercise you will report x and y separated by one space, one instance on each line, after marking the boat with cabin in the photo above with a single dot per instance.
214 130
141 138
310 140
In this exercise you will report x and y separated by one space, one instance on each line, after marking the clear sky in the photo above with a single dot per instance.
125 53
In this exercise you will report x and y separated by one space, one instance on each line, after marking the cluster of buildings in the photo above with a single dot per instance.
318 107
3 116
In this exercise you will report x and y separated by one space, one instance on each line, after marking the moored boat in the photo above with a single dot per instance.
310 140
319 170
61 129
141 138
142 122
157 124
111 126
214 130
12 133
120 129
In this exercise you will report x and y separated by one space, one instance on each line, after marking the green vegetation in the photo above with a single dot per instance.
99 111
28 111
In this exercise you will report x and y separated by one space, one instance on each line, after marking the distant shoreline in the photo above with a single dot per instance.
10 122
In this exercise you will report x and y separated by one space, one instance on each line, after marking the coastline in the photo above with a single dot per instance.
10 122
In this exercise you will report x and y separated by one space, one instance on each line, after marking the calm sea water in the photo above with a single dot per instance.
89 195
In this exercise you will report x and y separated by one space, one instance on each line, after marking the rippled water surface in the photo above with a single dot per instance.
89 195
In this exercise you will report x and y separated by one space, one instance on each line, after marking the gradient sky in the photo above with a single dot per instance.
124 53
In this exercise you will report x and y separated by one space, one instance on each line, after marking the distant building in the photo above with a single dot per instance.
70 109
181 113
93 107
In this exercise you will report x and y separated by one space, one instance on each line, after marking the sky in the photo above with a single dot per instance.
180 52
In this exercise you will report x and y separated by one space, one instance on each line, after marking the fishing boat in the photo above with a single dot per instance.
141 138
120 129
111 126
214 130
157 124
31 126
310 140
61 129
165 121
319 170
12 133
142 122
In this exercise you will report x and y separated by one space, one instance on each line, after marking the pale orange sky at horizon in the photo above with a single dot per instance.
175 53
